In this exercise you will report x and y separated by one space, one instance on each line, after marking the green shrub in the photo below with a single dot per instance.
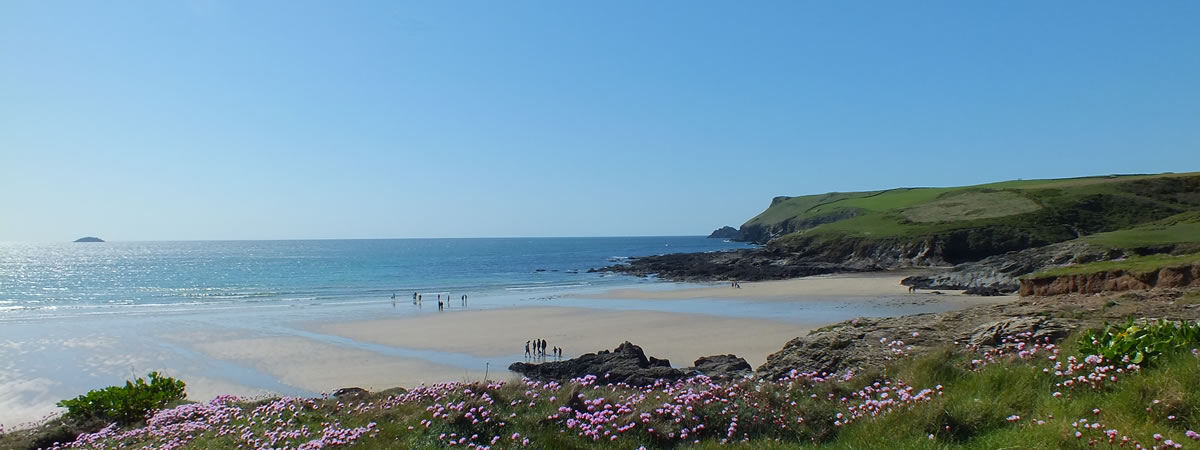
1142 343
126 404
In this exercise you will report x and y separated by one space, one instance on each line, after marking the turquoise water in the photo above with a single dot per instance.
39 280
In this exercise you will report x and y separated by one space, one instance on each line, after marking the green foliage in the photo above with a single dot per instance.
1143 343
126 404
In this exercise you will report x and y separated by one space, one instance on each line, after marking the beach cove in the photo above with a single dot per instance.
309 348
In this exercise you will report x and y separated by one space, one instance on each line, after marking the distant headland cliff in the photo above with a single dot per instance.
726 232
89 239
983 237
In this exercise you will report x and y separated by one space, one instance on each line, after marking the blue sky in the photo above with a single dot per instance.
317 119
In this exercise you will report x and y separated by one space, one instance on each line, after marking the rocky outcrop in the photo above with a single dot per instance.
1112 281
89 239
999 274
722 366
865 342
761 234
743 265
725 232
350 393
625 364
1035 328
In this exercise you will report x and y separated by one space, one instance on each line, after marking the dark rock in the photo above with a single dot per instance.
984 291
742 265
725 232
350 393
999 274
89 239
722 366
992 334
626 364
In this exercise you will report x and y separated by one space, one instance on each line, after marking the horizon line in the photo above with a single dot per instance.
360 239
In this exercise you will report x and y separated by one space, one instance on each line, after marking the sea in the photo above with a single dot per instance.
40 281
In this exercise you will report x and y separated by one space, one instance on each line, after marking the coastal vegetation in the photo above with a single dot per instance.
125 404
982 238
972 222
1024 392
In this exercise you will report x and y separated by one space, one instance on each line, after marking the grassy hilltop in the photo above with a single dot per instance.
957 224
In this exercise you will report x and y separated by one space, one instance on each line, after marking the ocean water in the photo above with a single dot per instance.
64 279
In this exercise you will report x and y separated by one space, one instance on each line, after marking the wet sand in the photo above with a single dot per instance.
856 285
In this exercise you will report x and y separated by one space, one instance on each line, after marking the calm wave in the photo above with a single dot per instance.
113 275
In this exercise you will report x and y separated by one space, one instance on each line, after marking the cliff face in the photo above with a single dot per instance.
942 249
762 233
1117 280
1002 272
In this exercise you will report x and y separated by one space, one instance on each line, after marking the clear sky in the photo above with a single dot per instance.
289 119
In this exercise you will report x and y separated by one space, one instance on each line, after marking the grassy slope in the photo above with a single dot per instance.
976 410
1139 264
1178 229
1047 210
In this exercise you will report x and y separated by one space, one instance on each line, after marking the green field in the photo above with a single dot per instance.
1026 212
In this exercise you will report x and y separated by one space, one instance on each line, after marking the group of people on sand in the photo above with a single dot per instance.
417 298
539 349
735 284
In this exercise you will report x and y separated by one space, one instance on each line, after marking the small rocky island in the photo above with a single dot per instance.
89 239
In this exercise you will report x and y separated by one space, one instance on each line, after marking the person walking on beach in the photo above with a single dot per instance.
527 349
439 304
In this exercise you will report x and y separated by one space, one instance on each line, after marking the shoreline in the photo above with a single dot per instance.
310 349
859 284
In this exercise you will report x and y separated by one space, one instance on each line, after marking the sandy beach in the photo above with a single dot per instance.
859 284
502 333
321 367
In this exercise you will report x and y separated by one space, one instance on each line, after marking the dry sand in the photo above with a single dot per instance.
502 333
858 285
321 367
